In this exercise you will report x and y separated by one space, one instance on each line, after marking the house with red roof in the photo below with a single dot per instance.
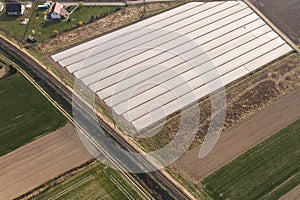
57 11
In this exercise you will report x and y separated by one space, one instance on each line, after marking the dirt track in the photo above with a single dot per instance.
241 137
34 164
292 195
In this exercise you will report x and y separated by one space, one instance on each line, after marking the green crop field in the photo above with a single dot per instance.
25 114
267 171
97 182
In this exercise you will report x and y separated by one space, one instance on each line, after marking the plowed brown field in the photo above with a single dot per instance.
241 137
34 164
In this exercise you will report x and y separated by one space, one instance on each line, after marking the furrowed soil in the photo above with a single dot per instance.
284 14
34 164
242 137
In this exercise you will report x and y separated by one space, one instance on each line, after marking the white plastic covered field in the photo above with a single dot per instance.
153 68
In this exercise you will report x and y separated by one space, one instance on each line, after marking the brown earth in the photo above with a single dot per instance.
294 194
284 14
34 164
241 137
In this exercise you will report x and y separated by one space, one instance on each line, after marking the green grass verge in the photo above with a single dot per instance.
195 189
267 171
97 182
42 30
25 114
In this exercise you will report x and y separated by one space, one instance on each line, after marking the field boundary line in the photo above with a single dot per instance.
142 192
282 184
277 30
68 189
120 187
37 86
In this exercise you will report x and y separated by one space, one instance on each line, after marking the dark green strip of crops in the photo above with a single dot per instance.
267 171
25 114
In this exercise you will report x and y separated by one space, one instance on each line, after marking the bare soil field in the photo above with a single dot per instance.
292 195
34 164
244 99
241 137
284 14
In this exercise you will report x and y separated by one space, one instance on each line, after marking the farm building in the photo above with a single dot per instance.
15 8
57 11
153 68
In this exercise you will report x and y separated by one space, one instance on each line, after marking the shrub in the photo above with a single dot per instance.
55 33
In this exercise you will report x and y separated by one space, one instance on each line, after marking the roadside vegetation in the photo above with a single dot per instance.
25 114
95 182
267 171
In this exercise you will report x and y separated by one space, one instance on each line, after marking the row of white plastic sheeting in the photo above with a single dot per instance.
155 67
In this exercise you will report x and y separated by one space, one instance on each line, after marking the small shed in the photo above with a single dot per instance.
31 39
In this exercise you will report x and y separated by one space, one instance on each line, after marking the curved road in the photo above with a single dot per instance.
160 178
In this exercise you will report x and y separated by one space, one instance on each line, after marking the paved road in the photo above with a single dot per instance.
67 95
160 178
